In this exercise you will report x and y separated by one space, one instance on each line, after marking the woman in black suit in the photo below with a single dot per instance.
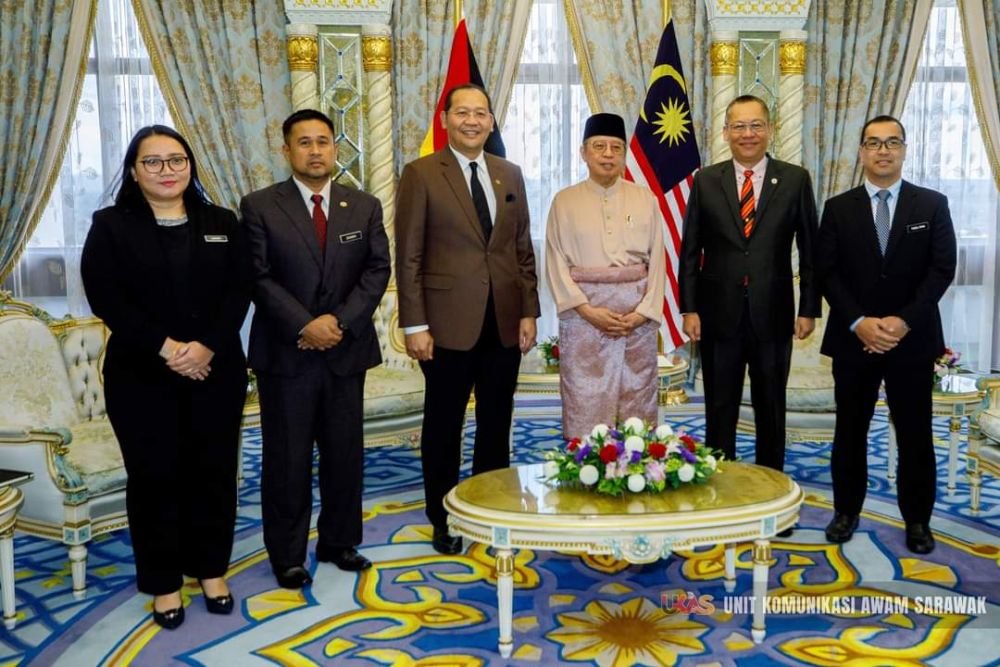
169 274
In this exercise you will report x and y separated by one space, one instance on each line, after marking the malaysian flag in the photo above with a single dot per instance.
663 155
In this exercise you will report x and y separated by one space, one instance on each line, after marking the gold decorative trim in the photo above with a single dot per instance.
992 143
582 57
761 552
62 140
376 53
505 564
724 58
165 82
303 53
792 57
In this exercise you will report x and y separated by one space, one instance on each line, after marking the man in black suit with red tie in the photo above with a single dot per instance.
885 256
736 279
321 265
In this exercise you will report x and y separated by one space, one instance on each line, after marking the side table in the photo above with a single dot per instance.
11 500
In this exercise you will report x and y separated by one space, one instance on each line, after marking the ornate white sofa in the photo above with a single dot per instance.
53 424
984 440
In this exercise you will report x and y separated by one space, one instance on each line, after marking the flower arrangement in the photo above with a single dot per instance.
550 351
946 364
635 457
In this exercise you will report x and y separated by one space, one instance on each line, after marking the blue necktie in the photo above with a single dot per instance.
882 219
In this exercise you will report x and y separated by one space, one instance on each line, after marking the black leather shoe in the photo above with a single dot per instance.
347 559
292 577
842 528
221 604
169 619
787 532
444 543
919 538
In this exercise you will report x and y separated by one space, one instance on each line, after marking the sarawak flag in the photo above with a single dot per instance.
462 68
663 155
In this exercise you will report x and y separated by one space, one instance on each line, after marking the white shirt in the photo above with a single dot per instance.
307 194
757 179
893 189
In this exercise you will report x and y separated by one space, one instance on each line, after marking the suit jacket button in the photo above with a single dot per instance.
882 275
485 281
746 253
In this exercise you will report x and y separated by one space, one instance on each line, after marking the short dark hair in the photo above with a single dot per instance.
127 191
743 99
303 115
882 119
468 86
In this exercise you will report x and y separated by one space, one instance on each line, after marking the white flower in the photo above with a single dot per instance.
636 483
634 424
685 473
599 431
550 469
711 462
663 431
634 443
588 474
673 448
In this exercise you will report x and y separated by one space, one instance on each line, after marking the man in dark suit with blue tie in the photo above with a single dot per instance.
736 279
321 265
885 256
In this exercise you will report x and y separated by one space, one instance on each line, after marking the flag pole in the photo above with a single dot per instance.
458 12
666 12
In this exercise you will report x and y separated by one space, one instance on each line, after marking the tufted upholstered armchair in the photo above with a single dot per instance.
53 423
394 391
984 440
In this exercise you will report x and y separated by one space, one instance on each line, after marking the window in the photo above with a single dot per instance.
945 152
119 95
544 127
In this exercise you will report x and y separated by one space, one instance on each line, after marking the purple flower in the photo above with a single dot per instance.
688 456
636 456
581 453
620 446
616 434
655 471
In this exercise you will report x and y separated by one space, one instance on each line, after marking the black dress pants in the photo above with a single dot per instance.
179 440
908 388
449 378
724 362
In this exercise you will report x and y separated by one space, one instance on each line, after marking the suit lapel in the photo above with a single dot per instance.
456 180
867 223
772 181
498 181
728 177
341 210
289 200
901 217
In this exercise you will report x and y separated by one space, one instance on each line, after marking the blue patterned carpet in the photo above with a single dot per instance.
418 608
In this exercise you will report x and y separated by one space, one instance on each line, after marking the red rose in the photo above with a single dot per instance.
609 453
689 442
555 351
657 450
573 445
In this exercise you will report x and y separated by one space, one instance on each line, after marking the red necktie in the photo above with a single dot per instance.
319 221
746 203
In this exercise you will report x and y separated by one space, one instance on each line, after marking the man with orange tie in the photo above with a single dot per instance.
321 265
736 279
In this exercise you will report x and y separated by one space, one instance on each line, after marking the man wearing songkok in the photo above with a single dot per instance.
605 267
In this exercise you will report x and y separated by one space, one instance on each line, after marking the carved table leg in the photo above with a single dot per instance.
955 425
505 600
761 559
730 581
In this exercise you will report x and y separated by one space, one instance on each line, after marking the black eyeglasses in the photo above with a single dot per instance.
154 165
892 143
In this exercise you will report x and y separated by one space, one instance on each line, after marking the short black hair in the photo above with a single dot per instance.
468 86
743 99
126 188
306 114
882 119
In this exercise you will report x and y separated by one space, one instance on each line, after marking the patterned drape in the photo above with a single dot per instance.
422 32
861 57
981 27
43 51
615 43
223 70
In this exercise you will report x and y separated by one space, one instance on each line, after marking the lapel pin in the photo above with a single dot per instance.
343 204
774 181
497 181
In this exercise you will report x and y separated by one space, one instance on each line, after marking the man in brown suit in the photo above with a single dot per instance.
465 271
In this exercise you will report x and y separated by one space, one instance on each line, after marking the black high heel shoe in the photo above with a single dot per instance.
223 604
170 619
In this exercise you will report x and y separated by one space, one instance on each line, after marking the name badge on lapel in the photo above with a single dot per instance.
216 238
918 227
350 236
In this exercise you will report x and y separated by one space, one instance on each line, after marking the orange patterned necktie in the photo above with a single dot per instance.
747 203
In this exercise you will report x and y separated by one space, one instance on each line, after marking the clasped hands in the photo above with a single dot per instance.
322 333
420 344
881 334
610 323
189 359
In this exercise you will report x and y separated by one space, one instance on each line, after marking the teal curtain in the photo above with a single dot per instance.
223 69
860 61
43 52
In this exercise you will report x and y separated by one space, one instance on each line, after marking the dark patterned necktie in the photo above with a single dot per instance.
747 203
882 219
319 221
479 199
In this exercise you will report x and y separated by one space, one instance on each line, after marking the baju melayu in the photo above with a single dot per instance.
604 246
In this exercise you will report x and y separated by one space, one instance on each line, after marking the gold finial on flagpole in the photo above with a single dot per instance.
666 12
458 12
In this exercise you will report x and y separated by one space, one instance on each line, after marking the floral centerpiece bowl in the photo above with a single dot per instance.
633 457
947 364
549 349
